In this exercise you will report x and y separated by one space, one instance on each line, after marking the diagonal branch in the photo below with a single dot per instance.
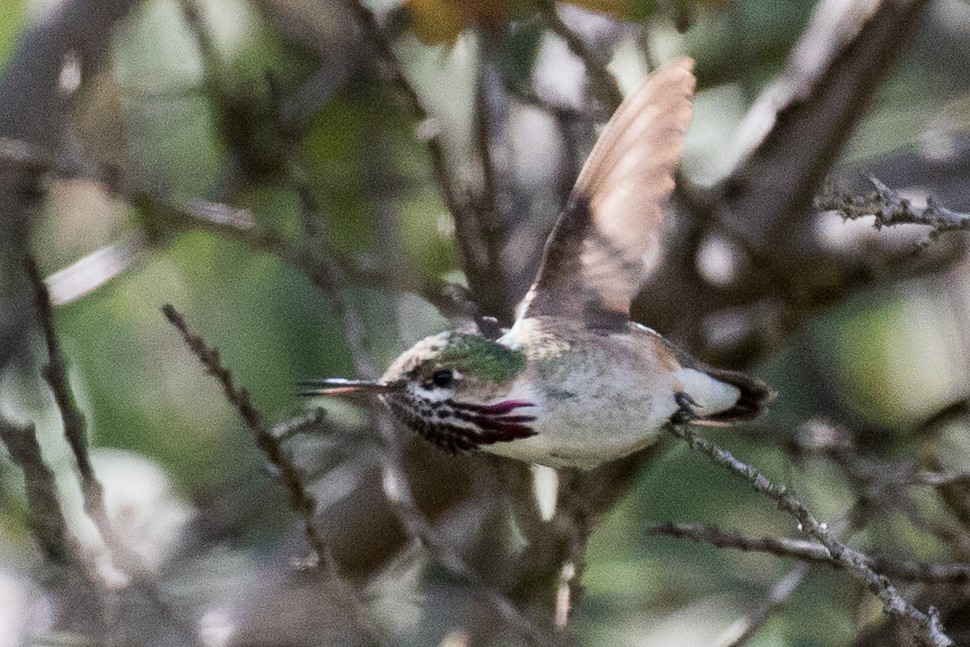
926 626
269 444
75 427
603 85
801 122
75 432
44 514
741 632
811 552
468 234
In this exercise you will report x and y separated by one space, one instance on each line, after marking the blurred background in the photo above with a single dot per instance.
261 165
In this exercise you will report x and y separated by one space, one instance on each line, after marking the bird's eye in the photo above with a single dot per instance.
442 377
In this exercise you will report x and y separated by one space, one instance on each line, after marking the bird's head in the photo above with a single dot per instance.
454 389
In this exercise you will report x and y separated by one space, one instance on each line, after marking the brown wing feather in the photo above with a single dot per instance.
594 260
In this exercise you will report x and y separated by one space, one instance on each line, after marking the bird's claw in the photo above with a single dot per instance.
685 409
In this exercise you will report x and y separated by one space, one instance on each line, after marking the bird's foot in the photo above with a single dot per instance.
685 409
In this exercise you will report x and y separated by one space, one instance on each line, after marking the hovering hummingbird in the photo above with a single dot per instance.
574 382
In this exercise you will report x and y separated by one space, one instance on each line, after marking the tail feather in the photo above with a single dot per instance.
755 396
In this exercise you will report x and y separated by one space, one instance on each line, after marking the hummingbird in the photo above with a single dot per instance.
574 382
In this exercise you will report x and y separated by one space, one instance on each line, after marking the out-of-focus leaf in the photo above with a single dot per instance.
435 21
12 14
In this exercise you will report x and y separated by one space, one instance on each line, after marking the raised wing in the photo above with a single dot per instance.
608 235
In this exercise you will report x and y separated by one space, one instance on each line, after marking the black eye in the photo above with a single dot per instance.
442 377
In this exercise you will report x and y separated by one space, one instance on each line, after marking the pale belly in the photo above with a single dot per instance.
584 420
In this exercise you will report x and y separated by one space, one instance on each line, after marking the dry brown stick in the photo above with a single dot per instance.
926 626
44 515
418 526
75 427
302 502
269 443
889 208
741 632
604 86
812 552
75 432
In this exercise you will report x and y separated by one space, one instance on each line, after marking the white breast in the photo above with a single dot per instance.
584 420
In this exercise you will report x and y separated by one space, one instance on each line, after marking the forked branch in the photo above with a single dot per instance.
926 626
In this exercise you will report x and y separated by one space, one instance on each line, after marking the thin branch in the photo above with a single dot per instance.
940 479
208 53
603 84
267 442
417 525
805 550
299 424
44 514
812 552
75 427
74 582
574 518
467 228
329 278
926 626
75 432
528 96
889 209
742 631
487 205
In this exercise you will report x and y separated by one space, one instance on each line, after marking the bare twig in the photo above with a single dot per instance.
812 552
468 229
489 215
575 519
604 86
889 208
939 479
45 517
529 96
267 442
270 444
289 428
74 582
417 525
75 427
92 491
208 53
926 626
742 631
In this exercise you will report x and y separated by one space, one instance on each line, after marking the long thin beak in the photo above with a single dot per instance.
340 386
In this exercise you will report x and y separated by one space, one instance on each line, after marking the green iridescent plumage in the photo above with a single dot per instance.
481 358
